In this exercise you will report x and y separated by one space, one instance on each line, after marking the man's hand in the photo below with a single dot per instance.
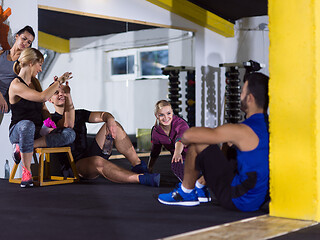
66 88
3 104
112 127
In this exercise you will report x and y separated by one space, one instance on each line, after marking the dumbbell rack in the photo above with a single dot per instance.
233 88
174 90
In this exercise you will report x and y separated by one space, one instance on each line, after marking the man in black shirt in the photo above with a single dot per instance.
92 161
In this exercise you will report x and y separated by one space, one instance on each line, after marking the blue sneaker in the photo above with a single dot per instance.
179 197
140 168
150 179
203 194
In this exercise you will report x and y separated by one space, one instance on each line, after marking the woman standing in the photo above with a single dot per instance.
26 106
24 39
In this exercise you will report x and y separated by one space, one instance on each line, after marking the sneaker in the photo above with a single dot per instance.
179 197
203 194
26 180
16 155
150 179
140 168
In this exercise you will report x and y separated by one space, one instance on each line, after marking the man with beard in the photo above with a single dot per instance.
240 183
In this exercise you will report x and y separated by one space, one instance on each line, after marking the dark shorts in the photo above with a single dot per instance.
92 150
218 172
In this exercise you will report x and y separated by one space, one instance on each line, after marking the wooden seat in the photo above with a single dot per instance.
44 178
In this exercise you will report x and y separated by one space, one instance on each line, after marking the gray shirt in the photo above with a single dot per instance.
6 74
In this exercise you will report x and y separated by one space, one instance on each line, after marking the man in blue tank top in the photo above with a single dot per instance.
240 182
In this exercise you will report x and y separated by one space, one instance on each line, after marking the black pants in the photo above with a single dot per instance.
218 172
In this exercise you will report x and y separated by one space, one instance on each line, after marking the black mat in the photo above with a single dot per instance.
99 209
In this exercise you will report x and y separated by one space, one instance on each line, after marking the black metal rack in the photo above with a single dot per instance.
174 90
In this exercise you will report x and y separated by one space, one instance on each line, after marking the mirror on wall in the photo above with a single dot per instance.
116 65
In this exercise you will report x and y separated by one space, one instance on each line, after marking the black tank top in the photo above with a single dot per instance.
27 110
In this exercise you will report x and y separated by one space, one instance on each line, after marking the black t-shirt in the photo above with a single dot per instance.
79 146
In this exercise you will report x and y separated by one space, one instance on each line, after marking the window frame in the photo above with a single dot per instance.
137 75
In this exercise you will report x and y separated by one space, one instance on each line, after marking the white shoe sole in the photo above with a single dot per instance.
204 199
185 203
29 185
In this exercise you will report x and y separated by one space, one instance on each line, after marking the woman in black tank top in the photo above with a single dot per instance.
26 104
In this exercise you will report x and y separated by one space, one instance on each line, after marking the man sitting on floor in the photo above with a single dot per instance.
240 183
93 161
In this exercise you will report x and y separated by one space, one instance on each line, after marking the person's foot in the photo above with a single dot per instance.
16 155
26 180
150 179
140 168
179 197
203 194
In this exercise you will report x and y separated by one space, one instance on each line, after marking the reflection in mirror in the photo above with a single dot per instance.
121 72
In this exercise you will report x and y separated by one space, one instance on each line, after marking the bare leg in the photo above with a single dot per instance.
202 181
191 174
40 142
92 167
26 160
122 143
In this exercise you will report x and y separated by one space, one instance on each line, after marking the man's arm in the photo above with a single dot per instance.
240 135
69 111
97 117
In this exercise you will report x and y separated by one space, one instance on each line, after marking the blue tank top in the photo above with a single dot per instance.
250 186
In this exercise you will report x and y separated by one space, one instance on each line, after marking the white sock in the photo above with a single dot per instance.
199 185
186 190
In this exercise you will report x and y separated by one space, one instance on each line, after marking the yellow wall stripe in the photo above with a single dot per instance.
54 43
197 15
294 91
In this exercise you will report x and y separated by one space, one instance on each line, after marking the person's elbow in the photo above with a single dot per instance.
68 124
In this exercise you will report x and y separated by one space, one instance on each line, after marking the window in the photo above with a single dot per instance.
151 62
122 65
137 63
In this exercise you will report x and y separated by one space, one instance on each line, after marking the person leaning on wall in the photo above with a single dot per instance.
240 183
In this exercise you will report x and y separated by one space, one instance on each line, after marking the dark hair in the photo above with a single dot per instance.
258 87
26 29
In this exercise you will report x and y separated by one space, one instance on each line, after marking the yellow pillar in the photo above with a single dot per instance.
294 108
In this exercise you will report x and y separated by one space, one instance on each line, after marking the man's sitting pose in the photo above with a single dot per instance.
240 183
92 161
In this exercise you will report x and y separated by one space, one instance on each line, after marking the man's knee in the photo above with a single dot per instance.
196 148
119 126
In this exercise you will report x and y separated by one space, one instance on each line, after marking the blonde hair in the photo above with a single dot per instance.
159 105
27 56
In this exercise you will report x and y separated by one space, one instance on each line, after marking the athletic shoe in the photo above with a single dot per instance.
203 194
150 179
26 180
16 155
140 168
179 197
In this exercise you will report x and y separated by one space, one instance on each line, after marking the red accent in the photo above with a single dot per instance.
4 29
